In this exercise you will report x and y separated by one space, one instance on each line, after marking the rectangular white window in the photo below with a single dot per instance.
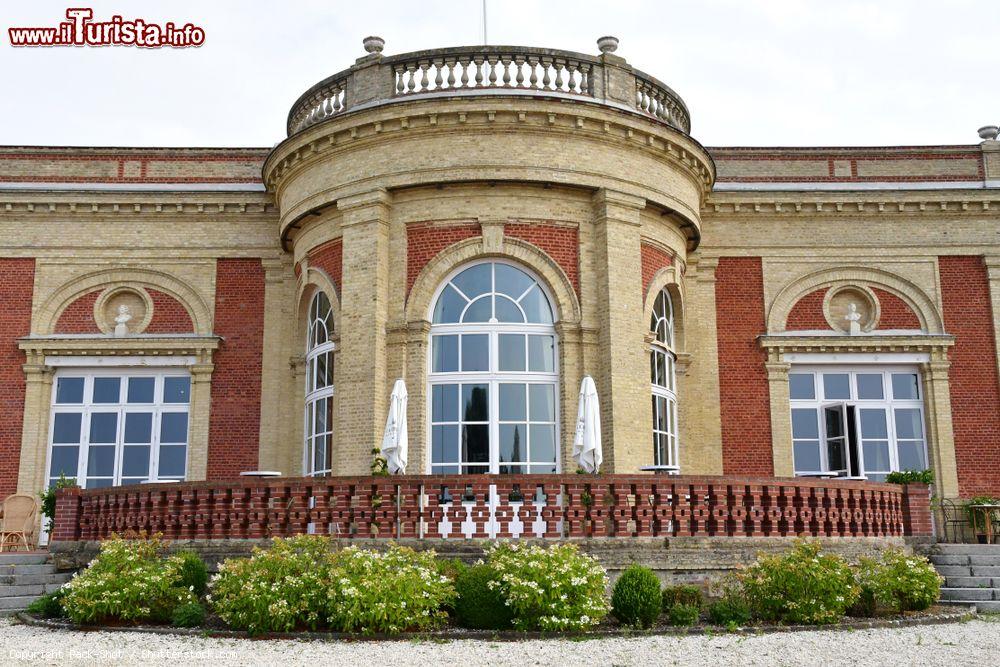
857 421
111 428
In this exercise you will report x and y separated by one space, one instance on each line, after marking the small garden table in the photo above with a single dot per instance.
986 510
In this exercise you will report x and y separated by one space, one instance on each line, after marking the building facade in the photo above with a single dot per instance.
493 224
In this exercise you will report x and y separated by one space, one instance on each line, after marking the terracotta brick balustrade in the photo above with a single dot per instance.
480 506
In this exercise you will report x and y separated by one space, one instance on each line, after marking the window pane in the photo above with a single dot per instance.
805 424
101 461
512 281
103 428
322 371
543 443
173 427
870 386
107 390
513 443
911 455
444 444
543 403
64 461
480 310
140 389
69 390
513 402
909 425
172 461
660 413
66 428
475 402
512 354
536 307
873 424
807 457
876 456
905 386
177 390
444 354
138 427
836 385
475 280
449 306
444 403
506 310
476 444
541 354
135 461
834 422
475 352
836 455
99 483
801 386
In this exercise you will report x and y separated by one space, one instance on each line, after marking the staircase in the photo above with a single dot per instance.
25 577
971 572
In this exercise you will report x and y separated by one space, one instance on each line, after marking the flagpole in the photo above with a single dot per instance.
484 22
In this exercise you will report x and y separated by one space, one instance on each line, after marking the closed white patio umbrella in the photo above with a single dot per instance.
587 442
394 441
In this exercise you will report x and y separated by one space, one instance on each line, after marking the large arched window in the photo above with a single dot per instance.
319 427
662 359
493 376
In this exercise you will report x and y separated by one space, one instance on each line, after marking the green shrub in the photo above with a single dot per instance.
910 476
683 594
451 567
194 573
554 588
799 586
478 605
729 610
275 590
391 591
49 605
897 581
636 598
130 581
48 497
683 615
189 615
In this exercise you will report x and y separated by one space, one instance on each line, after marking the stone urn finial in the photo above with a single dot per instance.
989 132
607 44
374 44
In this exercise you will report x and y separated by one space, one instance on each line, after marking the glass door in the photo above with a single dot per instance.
835 439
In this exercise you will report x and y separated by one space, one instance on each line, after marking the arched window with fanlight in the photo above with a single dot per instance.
662 360
493 374
319 422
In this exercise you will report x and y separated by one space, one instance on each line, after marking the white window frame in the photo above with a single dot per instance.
87 408
662 347
888 404
493 377
313 396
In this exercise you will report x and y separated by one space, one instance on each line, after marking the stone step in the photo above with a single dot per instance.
953 594
34 590
41 568
988 606
25 579
950 559
972 582
967 549
993 560
954 570
12 604
23 558
985 571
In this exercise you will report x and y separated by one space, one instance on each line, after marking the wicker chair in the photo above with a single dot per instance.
17 523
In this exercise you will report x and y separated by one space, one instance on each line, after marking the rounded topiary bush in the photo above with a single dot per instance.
480 606
189 615
636 598
194 572
683 615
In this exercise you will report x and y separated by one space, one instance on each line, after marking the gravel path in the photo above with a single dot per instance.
971 643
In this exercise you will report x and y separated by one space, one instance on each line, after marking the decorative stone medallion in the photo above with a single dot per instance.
851 304
123 311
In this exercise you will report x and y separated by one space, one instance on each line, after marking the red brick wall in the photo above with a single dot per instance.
975 387
424 240
17 286
743 389
329 257
807 313
169 315
653 259
234 425
560 243
78 316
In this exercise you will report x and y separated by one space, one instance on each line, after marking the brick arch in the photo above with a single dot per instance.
314 280
807 313
654 259
667 278
329 257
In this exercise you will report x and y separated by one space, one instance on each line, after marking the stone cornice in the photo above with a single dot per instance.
935 344
889 202
53 202
38 347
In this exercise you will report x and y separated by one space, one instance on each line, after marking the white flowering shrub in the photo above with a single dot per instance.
898 581
275 590
799 586
554 588
130 580
390 591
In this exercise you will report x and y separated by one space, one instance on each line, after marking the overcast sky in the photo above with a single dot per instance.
753 72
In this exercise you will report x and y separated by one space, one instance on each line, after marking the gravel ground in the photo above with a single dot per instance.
971 643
